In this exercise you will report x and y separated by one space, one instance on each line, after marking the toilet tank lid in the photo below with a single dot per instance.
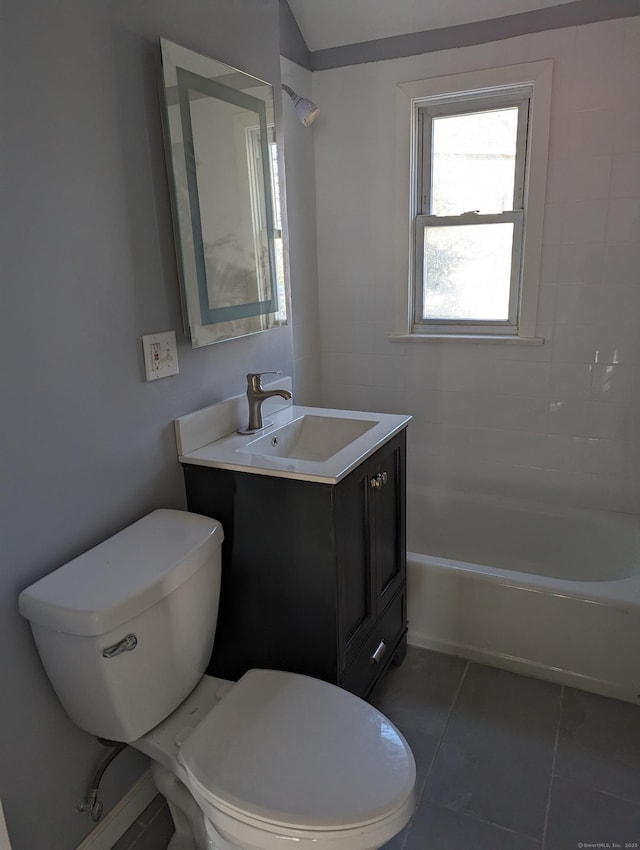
123 576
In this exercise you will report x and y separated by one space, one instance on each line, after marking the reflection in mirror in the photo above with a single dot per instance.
223 166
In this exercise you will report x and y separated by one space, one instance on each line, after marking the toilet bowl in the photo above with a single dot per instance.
273 761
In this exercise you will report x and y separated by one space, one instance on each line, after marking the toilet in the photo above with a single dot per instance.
276 760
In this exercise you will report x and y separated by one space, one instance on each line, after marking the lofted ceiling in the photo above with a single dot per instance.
332 23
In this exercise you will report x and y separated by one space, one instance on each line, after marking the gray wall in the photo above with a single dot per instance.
86 446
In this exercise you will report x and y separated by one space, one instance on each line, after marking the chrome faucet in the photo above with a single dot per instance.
255 396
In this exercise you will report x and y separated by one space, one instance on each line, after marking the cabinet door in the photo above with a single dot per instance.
354 560
387 487
278 591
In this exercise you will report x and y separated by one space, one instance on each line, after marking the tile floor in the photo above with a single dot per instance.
504 762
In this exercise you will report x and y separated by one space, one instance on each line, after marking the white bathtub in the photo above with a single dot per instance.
547 591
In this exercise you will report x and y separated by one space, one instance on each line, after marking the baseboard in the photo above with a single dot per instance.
523 666
117 821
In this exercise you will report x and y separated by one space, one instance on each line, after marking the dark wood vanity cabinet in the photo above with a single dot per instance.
313 575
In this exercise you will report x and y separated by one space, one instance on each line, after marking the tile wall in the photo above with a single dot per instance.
558 422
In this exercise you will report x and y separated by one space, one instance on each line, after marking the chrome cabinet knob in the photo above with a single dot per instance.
378 481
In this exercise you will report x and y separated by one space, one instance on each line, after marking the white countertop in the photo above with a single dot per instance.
224 453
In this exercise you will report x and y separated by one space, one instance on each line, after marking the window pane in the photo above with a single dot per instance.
467 271
474 158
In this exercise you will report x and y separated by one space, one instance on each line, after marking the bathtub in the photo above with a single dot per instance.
550 592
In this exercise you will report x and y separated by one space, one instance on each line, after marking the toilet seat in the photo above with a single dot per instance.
294 757
241 833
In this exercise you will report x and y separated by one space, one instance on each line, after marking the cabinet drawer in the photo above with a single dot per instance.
378 649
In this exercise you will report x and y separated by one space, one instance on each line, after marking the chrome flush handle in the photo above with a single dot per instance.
125 645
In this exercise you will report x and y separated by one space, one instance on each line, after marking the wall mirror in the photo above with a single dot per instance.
223 175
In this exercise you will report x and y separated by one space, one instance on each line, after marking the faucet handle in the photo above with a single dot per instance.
255 378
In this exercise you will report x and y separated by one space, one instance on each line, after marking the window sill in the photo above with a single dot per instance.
475 338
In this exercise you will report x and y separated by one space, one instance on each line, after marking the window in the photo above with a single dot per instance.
478 172
260 230
470 219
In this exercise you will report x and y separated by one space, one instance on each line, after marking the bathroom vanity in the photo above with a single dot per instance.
313 565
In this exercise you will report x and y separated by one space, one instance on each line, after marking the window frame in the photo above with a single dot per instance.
255 153
457 326
531 81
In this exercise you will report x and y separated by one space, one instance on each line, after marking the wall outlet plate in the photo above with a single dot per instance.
160 355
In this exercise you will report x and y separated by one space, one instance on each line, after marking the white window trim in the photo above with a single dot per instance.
407 96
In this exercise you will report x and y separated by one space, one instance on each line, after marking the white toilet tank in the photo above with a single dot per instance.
125 631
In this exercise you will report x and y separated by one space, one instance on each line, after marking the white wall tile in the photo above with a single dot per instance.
355 369
620 305
551 422
614 421
484 410
425 405
553 227
620 343
574 343
584 221
580 263
349 337
576 178
500 376
582 132
422 365
625 176
307 388
624 220
627 129
549 264
608 457
389 371
631 44
593 74
568 416
570 380
362 397
577 304
614 383
621 263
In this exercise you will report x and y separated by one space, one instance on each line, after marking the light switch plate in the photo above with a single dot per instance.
160 355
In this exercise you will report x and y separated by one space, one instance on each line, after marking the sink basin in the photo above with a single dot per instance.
314 438
318 444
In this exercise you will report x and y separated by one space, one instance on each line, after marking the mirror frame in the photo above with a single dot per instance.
188 77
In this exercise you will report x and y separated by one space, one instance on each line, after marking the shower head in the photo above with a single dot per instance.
306 110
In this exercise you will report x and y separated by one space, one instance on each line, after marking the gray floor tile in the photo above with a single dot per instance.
437 828
421 691
398 841
599 744
152 809
580 816
158 832
151 831
127 841
496 755
423 746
